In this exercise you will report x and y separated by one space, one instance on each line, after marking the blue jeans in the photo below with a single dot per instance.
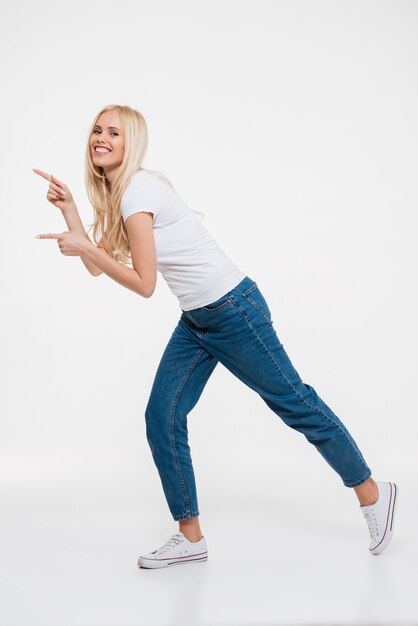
236 330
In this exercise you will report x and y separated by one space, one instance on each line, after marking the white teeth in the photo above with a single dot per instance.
101 150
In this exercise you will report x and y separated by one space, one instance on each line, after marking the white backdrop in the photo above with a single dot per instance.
293 127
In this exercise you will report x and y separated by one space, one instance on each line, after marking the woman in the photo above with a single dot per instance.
144 222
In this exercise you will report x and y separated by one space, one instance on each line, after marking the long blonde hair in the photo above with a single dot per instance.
109 230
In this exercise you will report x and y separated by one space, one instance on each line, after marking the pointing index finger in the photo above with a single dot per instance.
41 173
49 236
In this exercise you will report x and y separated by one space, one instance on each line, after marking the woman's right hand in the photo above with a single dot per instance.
58 193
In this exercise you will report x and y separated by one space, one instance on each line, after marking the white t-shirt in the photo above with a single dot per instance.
197 271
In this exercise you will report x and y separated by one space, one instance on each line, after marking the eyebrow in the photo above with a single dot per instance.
109 127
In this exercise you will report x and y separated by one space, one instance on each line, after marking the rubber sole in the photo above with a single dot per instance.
390 522
157 564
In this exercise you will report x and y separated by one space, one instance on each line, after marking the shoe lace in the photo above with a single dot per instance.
170 543
371 522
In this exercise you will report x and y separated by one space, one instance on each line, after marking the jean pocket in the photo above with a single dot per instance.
254 297
217 304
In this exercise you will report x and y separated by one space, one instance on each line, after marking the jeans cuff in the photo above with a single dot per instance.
356 483
186 516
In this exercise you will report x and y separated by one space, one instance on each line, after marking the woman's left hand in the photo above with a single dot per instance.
71 243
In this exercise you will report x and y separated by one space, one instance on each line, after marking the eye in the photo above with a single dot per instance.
112 132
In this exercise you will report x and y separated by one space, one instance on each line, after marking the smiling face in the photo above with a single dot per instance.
107 142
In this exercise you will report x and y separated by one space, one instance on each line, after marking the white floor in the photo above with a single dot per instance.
71 560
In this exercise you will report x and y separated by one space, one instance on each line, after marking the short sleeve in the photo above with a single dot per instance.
145 192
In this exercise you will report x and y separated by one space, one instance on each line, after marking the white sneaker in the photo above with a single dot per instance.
178 549
380 516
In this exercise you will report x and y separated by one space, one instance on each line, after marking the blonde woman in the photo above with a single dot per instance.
142 225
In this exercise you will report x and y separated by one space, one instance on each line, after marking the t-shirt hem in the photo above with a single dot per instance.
215 295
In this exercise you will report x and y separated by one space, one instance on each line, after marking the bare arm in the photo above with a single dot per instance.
143 277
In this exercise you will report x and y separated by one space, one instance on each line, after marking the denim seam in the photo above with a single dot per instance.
258 308
172 438
250 289
216 308
296 391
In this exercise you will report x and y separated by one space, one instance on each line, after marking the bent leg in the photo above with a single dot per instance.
181 376
242 337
